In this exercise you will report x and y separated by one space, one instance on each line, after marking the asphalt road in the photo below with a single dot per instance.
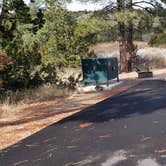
125 130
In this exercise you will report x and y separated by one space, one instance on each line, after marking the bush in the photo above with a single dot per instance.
157 39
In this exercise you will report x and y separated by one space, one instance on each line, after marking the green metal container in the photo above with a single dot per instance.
99 70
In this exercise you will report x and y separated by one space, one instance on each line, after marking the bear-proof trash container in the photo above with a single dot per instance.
99 70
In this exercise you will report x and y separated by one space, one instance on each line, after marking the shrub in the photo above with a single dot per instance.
157 39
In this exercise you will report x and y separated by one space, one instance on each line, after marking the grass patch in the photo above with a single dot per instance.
11 99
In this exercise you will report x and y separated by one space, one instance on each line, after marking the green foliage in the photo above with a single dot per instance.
126 16
24 60
12 12
158 35
38 43
157 39
17 42
61 43
96 28
104 28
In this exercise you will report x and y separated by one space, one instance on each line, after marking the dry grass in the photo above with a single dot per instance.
152 57
111 48
12 99
162 46
43 92
157 74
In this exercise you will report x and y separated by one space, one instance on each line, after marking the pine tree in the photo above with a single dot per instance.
13 12
123 13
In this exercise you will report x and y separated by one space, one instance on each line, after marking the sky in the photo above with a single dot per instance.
78 6
83 6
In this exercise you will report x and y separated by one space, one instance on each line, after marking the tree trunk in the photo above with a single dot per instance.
130 45
125 38
122 38
122 46
3 12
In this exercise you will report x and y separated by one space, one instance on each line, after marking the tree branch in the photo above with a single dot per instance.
144 2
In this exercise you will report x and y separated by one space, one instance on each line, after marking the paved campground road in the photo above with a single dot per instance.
125 130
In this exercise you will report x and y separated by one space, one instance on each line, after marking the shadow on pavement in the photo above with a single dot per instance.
145 98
